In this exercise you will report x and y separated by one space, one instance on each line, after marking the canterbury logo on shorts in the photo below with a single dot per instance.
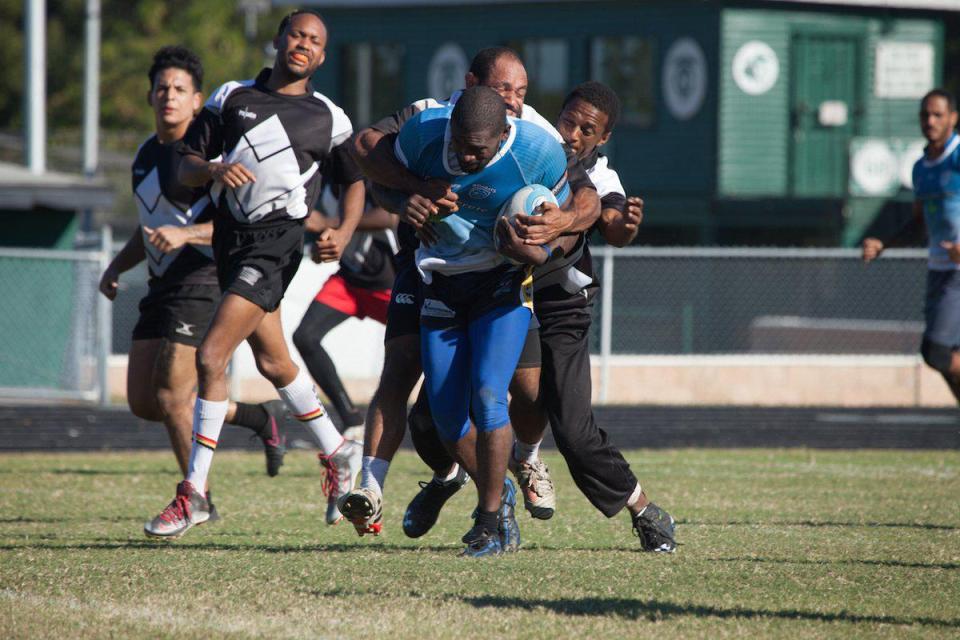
404 298
250 275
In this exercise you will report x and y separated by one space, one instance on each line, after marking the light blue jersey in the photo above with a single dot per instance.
529 155
936 185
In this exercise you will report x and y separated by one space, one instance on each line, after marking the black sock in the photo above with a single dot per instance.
251 416
488 520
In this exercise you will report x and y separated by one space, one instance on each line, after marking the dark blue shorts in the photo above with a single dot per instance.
942 308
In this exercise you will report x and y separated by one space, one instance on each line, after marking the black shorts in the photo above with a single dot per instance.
531 357
456 300
403 313
178 314
257 261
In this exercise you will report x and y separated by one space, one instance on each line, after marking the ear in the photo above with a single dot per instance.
323 56
505 134
197 101
604 138
953 120
470 80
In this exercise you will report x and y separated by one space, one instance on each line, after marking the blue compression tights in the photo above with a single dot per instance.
471 368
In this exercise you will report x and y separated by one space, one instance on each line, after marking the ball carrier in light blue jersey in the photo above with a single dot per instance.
477 306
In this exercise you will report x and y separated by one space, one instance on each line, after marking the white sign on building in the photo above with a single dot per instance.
903 69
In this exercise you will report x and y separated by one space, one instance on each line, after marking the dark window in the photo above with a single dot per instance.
372 81
548 80
626 65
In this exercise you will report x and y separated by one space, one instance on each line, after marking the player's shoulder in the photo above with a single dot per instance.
533 136
219 97
531 115
430 123
604 177
147 151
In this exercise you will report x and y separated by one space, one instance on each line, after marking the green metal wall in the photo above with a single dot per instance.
755 131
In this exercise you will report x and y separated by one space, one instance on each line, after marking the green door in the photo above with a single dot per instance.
824 110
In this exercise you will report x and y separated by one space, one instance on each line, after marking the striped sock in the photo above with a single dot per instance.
301 398
208 416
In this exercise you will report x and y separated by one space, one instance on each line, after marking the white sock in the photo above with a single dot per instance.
632 500
208 417
301 398
373 473
454 470
524 452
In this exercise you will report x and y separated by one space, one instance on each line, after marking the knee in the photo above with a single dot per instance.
420 419
172 402
490 409
145 407
401 370
302 340
937 356
276 371
211 362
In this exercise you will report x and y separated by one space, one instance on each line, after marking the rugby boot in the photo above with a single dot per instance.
655 528
214 514
481 543
341 467
509 529
364 508
188 508
424 509
536 486
272 435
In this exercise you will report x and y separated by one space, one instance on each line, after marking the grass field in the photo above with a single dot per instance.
789 543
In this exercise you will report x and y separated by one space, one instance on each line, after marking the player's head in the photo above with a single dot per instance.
938 116
588 116
301 43
501 69
478 125
176 77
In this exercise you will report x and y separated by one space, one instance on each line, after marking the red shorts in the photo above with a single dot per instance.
354 301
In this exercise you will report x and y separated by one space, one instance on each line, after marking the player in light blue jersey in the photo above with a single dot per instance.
476 306
936 188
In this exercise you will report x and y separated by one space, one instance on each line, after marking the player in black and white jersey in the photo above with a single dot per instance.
262 145
564 291
174 238
501 69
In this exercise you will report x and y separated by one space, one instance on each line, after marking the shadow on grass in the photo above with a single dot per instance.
78 519
655 610
214 546
948 566
110 472
811 523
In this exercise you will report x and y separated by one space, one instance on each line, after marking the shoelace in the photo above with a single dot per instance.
178 509
330 484
534 476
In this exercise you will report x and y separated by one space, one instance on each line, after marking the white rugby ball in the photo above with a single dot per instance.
526 201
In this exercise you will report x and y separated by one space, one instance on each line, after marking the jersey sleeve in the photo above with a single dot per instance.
340 126
395 121
343 169
555 171
576 174
204 137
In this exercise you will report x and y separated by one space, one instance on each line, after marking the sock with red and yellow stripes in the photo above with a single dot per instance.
301 398
208 416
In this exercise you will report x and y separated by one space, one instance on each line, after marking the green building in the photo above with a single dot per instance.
763 123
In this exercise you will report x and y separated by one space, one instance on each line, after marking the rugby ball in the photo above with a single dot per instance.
526 201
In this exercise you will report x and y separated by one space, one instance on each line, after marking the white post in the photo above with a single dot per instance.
606 322
91 90
104 319
36 84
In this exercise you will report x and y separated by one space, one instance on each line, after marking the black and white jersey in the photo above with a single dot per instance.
606 181
162 201
285 141
367 260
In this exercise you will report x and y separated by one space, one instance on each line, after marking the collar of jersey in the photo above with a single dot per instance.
452 166
949 148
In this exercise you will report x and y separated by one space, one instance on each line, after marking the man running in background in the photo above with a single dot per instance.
174 237
276 137
936 190
361 289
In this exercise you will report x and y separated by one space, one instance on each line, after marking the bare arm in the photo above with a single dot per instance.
376 219
373 151
170 238
196 172
873 247
619 228
132 254
332 242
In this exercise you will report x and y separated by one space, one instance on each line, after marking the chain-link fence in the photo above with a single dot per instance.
54 328
740 301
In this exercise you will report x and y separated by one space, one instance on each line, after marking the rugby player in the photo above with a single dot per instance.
174 238
564 291
936 190
476 307
499 68
263 144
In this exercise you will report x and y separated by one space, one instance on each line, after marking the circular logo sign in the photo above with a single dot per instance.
684 78
913 152
447 68
875 168
755 67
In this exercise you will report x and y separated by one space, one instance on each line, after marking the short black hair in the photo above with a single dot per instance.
285 22
479 109
600 96
941 93
177 57
486 59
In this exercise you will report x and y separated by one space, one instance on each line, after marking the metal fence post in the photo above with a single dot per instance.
606 322
104 319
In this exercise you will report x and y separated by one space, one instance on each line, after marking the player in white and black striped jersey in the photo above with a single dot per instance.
262 145
174 238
